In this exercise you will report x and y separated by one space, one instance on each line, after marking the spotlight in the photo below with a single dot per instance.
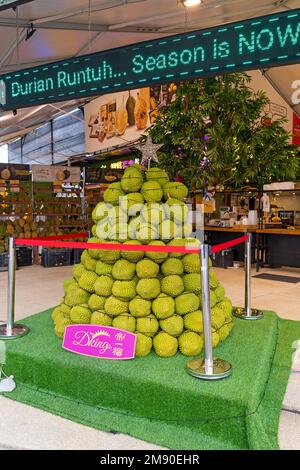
15 112
30 32
191 3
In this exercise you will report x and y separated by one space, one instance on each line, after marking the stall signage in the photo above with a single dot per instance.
14 186
56 174
99 341
6 4
102 175
10 172
251 44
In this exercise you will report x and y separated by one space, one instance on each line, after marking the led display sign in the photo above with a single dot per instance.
252 44
5 4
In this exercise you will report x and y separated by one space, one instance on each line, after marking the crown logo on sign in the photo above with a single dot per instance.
101 333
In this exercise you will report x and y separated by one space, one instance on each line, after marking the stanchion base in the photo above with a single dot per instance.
221 369
17 331
241 312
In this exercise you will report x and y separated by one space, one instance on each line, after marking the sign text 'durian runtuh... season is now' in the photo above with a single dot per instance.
255 43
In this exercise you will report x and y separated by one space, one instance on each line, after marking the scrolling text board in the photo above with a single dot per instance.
257 43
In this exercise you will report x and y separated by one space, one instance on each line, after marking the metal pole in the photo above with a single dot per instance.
207 368
209 362
12 330
11 286
248 275
52 142
248 313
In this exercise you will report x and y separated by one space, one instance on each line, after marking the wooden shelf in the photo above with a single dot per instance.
58 215
69 226
64 202
12 215
63 191
278 231
236 228
7 203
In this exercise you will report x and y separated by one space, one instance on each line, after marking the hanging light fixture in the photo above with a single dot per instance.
191 3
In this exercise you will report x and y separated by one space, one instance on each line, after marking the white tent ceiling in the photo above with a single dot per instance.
67 28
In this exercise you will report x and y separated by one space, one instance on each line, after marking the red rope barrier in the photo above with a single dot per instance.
105 246
231 243
53 242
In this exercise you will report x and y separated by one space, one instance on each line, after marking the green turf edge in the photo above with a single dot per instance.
160 433
254 436
268 413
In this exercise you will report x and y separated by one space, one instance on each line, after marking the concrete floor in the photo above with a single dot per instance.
24 427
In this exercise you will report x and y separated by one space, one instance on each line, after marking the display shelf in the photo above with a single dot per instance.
11 203
248 191
58 215
67 226
64 201
14 215
64 191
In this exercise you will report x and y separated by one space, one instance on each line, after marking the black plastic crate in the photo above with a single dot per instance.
77 252
24 256
52 257
3 261
223 259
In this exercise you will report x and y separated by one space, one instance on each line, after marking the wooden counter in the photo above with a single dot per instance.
236 228
279 231
253 229
272 246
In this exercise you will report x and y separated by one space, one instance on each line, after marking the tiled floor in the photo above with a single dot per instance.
38 289
282 297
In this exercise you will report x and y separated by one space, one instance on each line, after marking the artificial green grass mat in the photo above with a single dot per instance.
154 399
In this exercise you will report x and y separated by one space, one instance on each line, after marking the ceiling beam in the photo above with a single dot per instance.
109 5
138 24
196 24
8 23
10 50
89 43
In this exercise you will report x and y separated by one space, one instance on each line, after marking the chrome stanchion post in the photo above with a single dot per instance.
248 313
10 329
248 276
207 368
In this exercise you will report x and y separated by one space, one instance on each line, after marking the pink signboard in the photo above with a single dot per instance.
99 341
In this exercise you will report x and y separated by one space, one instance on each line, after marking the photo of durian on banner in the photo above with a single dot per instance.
156 295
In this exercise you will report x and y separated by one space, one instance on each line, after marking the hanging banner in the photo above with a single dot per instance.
254 43
14 172
6 4
116 119
49 174
121 118
296 129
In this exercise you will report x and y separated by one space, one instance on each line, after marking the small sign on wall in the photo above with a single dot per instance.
99 341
